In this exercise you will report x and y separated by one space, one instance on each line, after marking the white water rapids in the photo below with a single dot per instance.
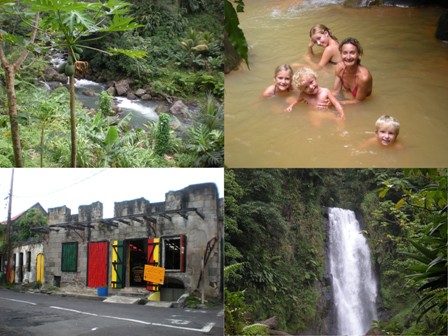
354 285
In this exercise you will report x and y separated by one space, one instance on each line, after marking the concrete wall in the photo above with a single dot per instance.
28 276
183 220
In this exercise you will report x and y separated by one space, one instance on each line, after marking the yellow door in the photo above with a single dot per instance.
40 268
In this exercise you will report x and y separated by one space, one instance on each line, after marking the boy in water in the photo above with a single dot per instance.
386 133
305 80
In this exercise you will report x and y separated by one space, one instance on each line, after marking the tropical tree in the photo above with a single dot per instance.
72 26
429 267
11 67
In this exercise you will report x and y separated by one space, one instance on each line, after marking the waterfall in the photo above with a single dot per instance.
354 285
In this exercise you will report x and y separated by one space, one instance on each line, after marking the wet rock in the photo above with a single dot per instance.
51 75
140 92
146 96
271 322
442 27
88 93
131 96
180 109
231 58
54 84
162 108
112 91
122 86
375 331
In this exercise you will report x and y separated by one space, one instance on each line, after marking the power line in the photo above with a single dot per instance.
75 182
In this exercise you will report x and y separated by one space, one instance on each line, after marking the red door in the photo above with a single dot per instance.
97 264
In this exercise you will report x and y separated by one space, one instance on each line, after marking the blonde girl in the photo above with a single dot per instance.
282 82
322 36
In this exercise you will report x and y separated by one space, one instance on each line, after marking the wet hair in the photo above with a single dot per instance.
389 122
355 42
320 28
283 67
301 76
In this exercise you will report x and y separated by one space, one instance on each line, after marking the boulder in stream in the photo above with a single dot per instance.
180 109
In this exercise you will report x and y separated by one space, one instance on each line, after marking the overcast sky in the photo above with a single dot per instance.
74 187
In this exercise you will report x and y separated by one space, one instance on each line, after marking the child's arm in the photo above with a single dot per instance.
337 105
289 108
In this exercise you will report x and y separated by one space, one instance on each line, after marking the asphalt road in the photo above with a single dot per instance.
40 314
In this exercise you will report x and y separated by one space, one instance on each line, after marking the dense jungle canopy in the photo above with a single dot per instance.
275 246
173 50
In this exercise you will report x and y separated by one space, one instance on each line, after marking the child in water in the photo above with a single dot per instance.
305 80
386 133
282 82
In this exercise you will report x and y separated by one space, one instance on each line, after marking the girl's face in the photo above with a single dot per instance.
386 135
310 87
349 54
322 39
283 80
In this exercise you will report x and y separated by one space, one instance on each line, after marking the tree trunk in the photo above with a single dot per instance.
10 73
73 120
12 110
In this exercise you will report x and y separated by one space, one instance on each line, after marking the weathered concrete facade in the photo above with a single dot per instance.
24 262
187 226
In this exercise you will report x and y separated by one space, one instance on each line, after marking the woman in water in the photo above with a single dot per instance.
351 76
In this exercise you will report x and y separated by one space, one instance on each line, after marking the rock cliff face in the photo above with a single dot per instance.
442 27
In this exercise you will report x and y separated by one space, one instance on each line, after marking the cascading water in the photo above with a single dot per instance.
354 285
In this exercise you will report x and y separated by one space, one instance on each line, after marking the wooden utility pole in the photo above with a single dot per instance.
8 231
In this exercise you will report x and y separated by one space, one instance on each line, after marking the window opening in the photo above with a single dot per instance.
28 261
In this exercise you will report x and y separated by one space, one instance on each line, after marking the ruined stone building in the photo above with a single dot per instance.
25 255
183 234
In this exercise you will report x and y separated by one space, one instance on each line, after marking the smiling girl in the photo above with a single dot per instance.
322 36
282 82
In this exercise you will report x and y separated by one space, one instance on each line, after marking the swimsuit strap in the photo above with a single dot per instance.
355 89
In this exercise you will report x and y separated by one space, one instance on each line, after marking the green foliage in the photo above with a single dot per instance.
255 329
205 138
73 27
407 224
23 226
284 257
105 103
163 135
234 32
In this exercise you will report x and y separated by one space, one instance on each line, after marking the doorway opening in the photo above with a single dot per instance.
137 259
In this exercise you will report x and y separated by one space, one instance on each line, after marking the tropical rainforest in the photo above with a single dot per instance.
171 49
275 246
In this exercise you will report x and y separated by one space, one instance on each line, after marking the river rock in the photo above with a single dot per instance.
375 331
88 93
180 109
54 84
442 27
112 91
52 75
115 108
162 108
131 96
231 58
140 92
122 86
271 322
146 96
